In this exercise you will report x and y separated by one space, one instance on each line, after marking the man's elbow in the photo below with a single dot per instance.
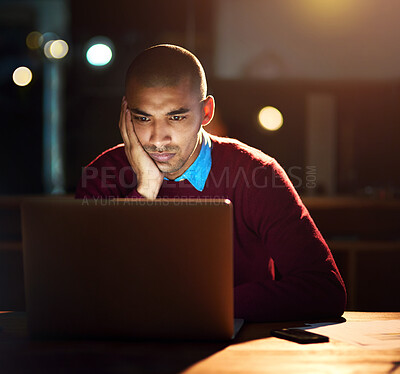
334 302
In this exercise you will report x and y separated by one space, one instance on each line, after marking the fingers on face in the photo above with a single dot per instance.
126 125
130 128
123 109
123 120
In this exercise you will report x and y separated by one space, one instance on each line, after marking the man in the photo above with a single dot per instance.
283 268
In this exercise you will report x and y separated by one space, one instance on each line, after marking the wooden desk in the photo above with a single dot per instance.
253 351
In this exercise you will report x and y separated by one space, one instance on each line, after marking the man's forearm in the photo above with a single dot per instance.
297 298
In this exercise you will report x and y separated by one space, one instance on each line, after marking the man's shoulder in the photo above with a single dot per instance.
112 156
233 148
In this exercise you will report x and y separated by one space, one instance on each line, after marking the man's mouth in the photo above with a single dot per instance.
161 156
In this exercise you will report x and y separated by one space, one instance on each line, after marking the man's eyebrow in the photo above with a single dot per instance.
140 112
178 111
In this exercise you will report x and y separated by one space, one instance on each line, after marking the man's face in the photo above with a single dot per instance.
167 121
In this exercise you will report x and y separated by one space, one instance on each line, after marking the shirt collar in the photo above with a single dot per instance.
197 173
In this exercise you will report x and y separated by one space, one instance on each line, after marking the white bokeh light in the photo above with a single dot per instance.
46 49
59 49
270 118
99 54
22 76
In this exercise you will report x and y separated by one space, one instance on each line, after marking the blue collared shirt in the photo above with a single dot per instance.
197 173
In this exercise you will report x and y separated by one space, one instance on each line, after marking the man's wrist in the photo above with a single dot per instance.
149 189
147 193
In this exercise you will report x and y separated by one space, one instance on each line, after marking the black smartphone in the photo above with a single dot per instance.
299 336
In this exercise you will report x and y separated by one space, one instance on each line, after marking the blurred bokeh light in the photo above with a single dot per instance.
328 14
34 40
270 118
22 76
99 54
55 49
47 36
46 49
58 49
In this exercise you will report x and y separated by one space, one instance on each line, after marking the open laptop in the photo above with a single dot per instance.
128 268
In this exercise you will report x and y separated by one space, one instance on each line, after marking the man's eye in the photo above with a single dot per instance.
141 119
177 118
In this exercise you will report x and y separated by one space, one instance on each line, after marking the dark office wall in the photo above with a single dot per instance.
20 107
368 131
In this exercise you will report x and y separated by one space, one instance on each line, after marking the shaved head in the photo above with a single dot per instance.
166 65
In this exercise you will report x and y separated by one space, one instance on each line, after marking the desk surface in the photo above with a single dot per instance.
253 351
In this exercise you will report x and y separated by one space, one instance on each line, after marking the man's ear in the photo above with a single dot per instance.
208 110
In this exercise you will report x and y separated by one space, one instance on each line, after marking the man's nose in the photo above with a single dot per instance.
160 135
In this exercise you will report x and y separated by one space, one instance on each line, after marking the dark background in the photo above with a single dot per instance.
367 108
348 51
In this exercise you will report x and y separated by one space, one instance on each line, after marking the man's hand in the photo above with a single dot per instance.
148 175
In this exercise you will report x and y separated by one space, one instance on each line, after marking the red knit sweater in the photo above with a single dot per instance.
283 269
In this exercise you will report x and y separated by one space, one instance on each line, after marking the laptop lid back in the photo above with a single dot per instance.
128 268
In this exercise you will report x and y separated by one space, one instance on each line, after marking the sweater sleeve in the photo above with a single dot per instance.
306 282
108 176
92 187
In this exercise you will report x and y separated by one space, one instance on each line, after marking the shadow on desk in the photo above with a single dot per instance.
252 351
